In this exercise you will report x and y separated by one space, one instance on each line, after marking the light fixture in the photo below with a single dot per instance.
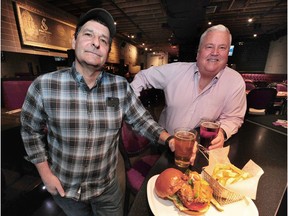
131 36
250 20
209 23
254 35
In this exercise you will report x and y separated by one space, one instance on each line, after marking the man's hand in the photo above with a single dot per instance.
218 142
53 185
50 181
194 150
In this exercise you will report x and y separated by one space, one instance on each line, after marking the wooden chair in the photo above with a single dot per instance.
135 147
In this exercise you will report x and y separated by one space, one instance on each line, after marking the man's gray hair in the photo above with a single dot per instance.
219 27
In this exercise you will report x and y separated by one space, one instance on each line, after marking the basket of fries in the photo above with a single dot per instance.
221 194
229 183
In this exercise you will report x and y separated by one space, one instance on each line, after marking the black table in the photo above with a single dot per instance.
265 147
267 121
12 148
9 120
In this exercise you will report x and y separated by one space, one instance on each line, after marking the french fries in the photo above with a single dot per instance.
227 174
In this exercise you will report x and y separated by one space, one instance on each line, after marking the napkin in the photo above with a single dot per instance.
280 122
247 187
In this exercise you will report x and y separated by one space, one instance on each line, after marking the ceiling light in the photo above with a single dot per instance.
143 44
131 36
209 23
146 48
255 35
250 20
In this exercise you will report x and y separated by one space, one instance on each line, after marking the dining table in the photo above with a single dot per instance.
10 119
12 148
263 145
280 94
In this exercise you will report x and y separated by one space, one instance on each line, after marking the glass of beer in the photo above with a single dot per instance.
184 143
208 132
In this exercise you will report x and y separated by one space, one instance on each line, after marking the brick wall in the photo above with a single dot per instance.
10 38
11 42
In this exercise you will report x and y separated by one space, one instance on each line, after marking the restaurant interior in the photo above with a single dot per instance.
36 39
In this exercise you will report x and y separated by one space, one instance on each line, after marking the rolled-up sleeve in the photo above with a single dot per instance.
33 125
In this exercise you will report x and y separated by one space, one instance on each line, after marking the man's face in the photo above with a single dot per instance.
213 53
92 45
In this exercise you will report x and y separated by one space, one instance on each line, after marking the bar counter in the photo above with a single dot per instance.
264 146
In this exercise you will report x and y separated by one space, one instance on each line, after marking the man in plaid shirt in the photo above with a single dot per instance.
71 121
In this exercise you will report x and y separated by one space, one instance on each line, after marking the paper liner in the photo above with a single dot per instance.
236 191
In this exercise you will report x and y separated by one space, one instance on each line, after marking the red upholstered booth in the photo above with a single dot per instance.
262 77
14 93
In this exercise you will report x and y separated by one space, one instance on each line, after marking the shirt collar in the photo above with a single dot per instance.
80 79
215 78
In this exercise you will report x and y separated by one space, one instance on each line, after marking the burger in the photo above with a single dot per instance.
189 192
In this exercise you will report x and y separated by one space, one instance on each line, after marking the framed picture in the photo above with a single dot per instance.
39 30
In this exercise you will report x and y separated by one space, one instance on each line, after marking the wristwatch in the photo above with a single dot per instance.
168 140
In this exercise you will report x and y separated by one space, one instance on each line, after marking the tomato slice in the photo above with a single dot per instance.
195 206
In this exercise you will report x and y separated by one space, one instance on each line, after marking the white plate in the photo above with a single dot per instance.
159 207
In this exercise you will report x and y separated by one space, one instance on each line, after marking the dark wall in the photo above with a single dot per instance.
47 64
250 55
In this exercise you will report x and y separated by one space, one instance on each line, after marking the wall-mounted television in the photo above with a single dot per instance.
231 50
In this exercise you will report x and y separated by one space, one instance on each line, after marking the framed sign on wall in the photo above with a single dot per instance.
39 30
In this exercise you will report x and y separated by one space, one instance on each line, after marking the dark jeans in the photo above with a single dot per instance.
108 203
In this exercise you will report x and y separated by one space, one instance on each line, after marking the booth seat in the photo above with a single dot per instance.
14 93
262 77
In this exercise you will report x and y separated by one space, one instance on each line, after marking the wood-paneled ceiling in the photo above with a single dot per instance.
165 24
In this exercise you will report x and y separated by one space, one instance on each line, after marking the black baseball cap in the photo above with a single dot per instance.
100 14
